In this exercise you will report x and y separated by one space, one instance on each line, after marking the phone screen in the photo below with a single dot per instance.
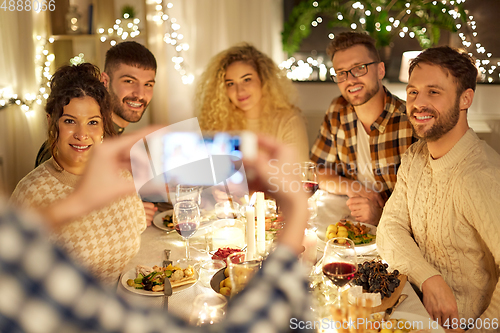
207 159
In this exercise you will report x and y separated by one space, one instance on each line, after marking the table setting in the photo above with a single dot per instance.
223 250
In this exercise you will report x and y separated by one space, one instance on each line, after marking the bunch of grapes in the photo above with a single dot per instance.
374 278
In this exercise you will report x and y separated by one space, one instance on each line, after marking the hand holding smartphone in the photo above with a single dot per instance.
207 159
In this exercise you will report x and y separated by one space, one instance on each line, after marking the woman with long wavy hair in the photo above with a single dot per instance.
243 89
79 119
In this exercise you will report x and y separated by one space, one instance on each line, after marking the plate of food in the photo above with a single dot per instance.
164 220
221 283
404 322
362 234
223 252
148 280
373 278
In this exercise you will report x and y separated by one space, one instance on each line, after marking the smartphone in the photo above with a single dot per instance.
206 159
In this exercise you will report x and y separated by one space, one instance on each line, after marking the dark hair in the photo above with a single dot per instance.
71 82
346 40
460 65
129 53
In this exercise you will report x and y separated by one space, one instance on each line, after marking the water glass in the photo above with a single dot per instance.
227 210
241 270
208 269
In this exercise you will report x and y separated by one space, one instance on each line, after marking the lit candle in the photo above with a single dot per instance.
261 223
250 216
310 243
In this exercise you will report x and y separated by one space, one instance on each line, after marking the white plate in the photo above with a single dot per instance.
423 322
158 220
131 274
205 219
360 249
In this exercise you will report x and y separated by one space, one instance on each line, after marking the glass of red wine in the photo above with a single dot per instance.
340 262
309 177
308 172
186 221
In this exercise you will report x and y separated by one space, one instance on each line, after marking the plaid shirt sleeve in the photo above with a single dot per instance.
324 150
43 290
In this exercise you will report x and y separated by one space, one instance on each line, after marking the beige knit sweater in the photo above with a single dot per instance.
289 129
444 219
105 240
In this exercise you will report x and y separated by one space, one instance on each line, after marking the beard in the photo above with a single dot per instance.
443 123
119 109
370 92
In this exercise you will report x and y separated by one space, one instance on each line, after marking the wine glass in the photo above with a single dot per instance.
308 172
339 262
309 176
186 221
188 193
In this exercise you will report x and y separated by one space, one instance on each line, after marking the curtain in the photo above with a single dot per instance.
21 134
208 26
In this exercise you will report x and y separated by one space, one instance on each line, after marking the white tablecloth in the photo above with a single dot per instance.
331 208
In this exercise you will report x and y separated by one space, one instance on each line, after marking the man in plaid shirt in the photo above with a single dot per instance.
365 131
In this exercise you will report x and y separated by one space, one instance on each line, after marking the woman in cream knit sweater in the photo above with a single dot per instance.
79 117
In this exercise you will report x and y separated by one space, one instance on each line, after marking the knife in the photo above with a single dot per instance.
167 291
167 287
390 311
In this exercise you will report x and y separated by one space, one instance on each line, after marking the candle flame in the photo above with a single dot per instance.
253 199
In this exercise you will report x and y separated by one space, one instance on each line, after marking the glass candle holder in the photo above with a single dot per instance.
227 210
208 309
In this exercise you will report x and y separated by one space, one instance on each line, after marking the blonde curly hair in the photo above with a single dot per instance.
215 110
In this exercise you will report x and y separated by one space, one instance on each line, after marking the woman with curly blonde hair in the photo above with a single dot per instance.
243 89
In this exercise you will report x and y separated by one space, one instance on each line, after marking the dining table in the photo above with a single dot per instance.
330 209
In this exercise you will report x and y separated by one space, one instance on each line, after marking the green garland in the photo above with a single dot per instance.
426 18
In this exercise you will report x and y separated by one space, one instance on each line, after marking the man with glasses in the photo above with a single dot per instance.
365 131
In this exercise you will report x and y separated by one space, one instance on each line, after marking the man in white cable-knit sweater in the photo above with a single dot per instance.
441 225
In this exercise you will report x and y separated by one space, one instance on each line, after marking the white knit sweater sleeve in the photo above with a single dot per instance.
482 209
395 242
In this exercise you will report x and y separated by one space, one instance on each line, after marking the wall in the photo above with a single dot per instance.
484 114
21 134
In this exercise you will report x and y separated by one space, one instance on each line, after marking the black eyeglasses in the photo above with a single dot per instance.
356 71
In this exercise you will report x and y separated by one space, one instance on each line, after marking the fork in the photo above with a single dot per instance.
167 261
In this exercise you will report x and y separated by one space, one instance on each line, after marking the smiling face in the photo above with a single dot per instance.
432 102
80 128
244 88
360 90
131 90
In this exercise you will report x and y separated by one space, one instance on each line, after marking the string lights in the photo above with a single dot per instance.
43 61
173 37
129 28
122 29
314 69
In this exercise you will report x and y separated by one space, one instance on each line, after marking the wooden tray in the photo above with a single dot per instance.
388 302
